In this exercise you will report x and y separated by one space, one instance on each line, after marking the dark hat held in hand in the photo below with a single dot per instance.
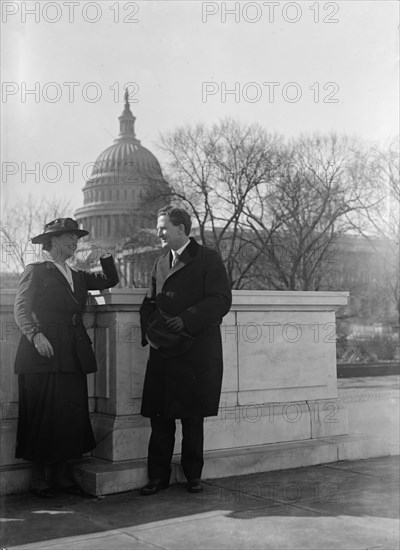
168 344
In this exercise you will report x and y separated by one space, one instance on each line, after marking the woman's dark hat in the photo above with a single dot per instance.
58 227
167 343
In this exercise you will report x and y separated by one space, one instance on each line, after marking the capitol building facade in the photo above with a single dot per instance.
121 199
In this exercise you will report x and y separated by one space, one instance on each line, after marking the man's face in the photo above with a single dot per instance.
172 236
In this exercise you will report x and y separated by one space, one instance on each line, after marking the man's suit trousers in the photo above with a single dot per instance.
161 447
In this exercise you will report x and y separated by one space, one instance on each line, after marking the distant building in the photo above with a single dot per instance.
122 177
369 270
122 196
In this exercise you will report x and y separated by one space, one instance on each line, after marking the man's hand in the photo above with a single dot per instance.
175 324
42 345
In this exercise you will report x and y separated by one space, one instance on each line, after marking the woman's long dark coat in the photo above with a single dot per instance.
197 289
45 302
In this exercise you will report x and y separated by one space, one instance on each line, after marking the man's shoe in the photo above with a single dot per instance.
153 486
73 489
195 486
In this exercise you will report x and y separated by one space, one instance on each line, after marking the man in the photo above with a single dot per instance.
180 317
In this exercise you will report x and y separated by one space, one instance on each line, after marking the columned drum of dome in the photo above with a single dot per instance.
115 195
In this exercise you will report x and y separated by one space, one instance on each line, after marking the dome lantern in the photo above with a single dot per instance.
126 120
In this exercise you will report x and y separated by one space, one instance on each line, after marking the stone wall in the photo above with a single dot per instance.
279 380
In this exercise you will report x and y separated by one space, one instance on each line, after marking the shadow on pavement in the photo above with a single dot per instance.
351 490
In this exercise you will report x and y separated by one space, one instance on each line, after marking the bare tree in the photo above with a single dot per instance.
275 211
381 221
320 187
219 174
23 221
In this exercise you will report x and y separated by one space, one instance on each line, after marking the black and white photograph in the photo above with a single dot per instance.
200 275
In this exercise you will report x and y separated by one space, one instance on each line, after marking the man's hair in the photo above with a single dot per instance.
177 216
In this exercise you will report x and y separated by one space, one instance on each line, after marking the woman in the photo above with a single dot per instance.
54 356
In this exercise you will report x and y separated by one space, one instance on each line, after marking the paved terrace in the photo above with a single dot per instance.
344 504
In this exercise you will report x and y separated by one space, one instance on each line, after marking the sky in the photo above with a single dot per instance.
293 67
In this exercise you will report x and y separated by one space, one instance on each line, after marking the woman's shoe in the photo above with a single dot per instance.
45 492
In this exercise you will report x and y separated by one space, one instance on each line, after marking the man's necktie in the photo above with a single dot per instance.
175 259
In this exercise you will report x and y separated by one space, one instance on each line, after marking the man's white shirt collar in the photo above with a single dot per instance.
180 250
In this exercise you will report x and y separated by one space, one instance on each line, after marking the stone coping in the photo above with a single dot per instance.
243 300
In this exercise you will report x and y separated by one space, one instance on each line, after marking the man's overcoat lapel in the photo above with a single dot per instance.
165 271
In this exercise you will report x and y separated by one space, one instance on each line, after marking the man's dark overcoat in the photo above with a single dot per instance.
197 289
45 302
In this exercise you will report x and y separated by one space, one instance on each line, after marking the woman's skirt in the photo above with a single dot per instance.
53 418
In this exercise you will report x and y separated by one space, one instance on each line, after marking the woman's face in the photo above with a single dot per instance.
63 246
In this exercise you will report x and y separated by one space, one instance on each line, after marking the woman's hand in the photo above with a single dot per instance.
90 253
42 345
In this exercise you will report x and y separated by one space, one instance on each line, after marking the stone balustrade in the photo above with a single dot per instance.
279 389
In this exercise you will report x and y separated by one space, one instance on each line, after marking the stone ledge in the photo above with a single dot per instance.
101 478
360 445
361 370
351 395
243 300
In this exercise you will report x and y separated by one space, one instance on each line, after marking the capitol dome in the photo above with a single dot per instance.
117 196
125 154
